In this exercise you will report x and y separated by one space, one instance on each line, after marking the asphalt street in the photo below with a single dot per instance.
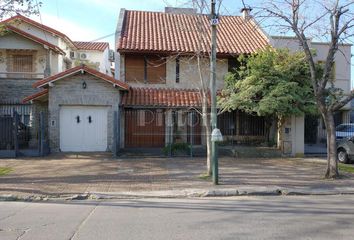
288 217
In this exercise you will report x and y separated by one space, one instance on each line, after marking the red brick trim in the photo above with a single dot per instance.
35 39
39 25
34 96
74 70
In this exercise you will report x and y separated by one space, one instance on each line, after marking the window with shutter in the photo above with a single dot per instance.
156 69
134 69
145 69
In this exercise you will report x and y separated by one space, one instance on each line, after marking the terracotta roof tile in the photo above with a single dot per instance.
167 32
35 96
98 46
161 97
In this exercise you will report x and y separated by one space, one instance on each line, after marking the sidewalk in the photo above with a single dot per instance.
100 176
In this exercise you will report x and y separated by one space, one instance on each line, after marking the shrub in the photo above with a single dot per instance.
176 148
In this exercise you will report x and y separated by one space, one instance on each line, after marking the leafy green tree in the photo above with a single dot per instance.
273 83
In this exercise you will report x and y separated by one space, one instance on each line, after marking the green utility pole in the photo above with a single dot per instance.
214 155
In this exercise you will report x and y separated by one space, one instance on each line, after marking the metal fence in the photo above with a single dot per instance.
19 137
242 128
316 135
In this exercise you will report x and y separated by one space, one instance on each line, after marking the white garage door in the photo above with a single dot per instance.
83 128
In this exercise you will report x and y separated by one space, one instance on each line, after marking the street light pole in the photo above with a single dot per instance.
214 154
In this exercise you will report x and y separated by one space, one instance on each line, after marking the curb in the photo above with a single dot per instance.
192 193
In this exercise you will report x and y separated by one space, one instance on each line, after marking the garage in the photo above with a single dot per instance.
83 128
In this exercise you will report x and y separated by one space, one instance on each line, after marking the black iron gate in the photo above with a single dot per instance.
21 138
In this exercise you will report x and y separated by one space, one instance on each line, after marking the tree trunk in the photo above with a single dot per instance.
280 144
268 125
207 128
332 164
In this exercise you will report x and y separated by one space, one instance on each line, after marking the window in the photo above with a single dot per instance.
155 69
145 69
177 70
21 62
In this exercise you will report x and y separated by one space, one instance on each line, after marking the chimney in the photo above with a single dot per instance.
246 12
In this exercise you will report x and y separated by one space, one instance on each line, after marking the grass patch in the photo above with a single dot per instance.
346 168
204 176
5 170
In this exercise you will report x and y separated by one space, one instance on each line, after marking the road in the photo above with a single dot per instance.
290 217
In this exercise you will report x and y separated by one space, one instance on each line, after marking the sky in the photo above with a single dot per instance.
89 20
92 20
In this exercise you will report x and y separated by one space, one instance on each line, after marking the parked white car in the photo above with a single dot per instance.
345 130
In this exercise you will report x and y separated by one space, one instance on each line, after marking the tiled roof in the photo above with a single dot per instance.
167 32
19 17
35 39
99 46
77 69
35 96
161 97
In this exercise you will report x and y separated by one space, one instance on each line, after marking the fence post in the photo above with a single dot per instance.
15 132
191 126
41 122
115 133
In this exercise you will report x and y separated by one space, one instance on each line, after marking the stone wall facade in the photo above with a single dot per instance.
70 92
14 90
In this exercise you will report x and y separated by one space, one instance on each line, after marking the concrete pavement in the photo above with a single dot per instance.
290 217
99 174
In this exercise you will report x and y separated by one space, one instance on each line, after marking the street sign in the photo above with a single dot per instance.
214 21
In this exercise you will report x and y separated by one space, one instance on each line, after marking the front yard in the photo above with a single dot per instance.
5 170
347 168
71 174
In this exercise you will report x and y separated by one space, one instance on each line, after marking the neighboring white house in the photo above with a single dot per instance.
30 51
341 79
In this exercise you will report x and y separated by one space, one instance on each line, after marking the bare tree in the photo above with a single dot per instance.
202 58
332 20
26 7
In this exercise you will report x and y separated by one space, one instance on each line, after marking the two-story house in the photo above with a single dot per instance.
31 52
157 56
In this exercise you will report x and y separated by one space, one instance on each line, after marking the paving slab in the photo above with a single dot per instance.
101 175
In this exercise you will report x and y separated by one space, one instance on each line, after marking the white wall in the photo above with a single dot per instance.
342 59
37 32
102 58
14 41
